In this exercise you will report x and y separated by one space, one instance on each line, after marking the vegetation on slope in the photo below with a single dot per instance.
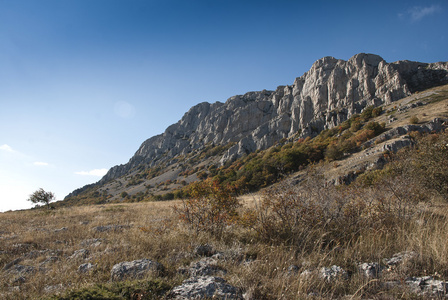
256 170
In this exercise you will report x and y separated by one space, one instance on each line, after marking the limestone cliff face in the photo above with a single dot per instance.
329 93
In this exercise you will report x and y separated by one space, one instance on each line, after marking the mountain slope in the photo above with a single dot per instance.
328 94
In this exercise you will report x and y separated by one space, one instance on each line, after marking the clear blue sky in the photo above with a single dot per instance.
84 82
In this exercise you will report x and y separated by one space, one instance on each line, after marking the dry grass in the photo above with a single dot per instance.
261 269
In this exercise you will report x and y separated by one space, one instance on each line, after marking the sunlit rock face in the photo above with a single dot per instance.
328 94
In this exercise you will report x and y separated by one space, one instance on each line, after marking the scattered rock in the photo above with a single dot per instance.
85 268
411 105
205 267
219 256
397 144
19 280
53 288
134 269
333 273
91 242
49 260
398 258
12 263
427 286
206 287
110 228
21 270
370 270
80 254
306 274
60 230
36 253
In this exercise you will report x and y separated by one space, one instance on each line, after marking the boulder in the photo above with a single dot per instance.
333 273
399 258
85 268
204 267
370 270
136 269
80 254
91 242
428 286
205 287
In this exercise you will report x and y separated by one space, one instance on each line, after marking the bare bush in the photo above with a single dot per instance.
210 208
317 213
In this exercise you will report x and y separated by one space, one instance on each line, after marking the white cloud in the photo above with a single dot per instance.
417 13
40 163
94 172
6 148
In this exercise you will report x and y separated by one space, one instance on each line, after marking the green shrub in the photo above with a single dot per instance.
355 126
377 111
333 152
152 289
367 113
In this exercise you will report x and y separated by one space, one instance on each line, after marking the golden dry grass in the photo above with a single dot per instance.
154 233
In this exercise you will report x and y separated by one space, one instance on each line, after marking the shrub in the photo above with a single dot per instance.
318 214
210 209
428 166
333 152
376 127
367 113
355 126
414 120
150 289
377 111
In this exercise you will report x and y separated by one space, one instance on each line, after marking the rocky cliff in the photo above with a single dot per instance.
328 94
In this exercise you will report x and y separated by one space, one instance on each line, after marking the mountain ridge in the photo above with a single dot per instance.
323 97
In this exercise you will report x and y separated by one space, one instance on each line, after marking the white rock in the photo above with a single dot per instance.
205 287
134 269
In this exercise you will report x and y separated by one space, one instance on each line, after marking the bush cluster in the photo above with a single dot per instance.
210 207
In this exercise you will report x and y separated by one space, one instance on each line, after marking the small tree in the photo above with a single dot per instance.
41 196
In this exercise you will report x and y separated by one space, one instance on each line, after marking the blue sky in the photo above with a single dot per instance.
84 82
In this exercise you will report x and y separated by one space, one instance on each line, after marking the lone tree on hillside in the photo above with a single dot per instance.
41 196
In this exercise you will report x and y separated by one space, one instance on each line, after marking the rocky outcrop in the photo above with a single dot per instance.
205 287
329 93
136 269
